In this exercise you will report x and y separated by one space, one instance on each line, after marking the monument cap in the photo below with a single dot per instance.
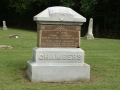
59 13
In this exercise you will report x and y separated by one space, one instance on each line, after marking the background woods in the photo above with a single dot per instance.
105 14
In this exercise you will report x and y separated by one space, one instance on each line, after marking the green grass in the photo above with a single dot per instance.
103 55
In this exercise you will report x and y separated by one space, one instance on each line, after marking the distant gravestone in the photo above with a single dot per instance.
89 34
58 56
4 25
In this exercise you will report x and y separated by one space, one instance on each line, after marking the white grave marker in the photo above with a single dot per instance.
4 25
89 35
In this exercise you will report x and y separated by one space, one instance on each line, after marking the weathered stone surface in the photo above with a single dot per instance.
60 27
58 36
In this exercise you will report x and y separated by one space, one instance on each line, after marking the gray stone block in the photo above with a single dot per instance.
58 72
58 55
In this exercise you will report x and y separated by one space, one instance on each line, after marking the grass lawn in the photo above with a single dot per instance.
103 55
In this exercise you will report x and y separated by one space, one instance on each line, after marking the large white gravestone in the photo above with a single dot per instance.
89 34
4 25
58 56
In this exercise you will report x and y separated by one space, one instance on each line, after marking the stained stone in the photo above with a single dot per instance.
58 36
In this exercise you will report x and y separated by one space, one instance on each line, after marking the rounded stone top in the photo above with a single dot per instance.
58 14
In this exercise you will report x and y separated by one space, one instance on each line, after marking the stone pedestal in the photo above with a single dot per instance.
58 65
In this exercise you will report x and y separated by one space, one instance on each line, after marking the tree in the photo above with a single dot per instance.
87 6
105 13
21 6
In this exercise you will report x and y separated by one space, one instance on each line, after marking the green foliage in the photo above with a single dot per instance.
67 3
20 5
87 6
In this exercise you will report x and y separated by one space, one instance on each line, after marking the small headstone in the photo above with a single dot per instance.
89 34
4 25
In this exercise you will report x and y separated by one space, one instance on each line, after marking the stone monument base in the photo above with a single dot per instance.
89 36
4 28
58 72
58 65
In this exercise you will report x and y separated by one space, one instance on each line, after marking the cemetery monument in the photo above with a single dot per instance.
4 25
58 56
89 34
